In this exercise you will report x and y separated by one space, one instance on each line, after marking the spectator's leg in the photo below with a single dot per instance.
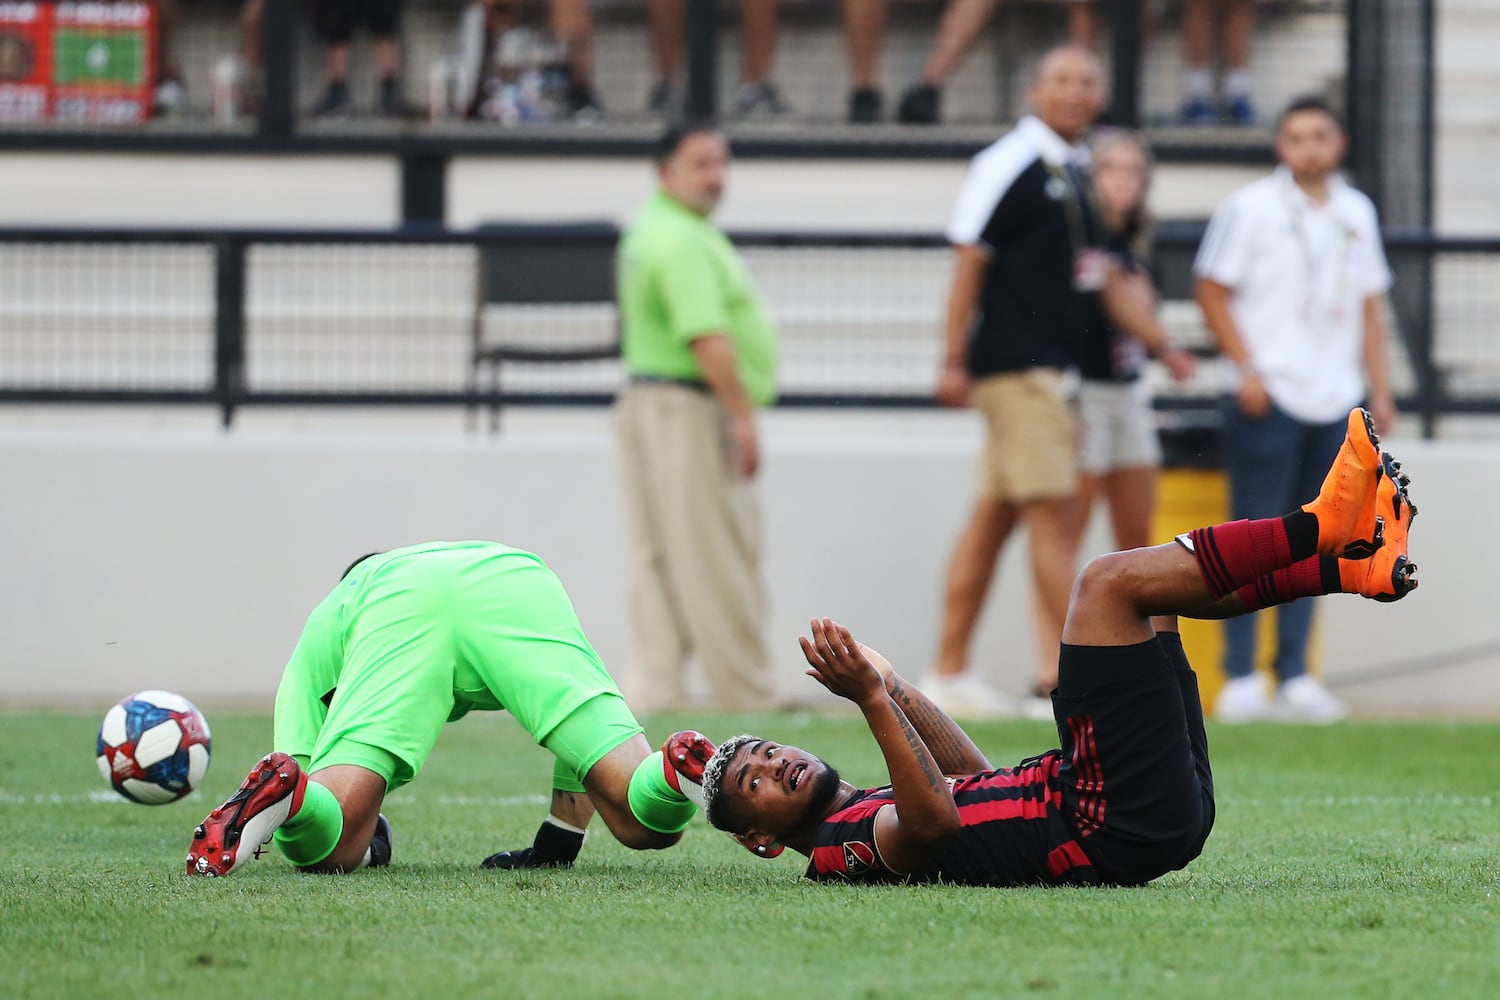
572 24
864 35
167 94
386 50
1197 80
713 551
970 571
1197 33
1302 697
1083 23
1259 459
960 26
759 22
384 19
644 419
250 15
1131 493
1047 623
1316 448
1239 27
1051 524
338 63
667 21
334 27
168 67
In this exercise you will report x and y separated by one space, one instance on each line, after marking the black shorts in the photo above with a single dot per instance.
1135 773
336 19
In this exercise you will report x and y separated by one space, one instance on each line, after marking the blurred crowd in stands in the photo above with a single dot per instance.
511 61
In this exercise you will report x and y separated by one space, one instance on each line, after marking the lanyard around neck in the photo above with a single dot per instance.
1313 265
1076 189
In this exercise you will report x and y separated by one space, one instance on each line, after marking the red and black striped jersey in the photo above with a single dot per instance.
1014 833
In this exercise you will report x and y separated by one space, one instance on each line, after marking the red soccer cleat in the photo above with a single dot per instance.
684 755
234 833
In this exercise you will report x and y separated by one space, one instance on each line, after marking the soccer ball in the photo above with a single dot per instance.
153 747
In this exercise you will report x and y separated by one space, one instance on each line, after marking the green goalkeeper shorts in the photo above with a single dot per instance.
416 637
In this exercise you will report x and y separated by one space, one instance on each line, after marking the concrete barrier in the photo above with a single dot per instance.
180 557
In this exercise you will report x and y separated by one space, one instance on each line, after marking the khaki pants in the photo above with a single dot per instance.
1031 448
694 534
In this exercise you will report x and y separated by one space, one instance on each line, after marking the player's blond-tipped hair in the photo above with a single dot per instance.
713 777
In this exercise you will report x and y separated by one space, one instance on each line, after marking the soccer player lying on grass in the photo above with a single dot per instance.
1129 796
409 640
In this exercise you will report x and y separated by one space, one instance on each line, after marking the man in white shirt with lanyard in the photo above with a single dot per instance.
1290 277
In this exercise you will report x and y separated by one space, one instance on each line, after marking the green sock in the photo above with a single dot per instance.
313 833
655 803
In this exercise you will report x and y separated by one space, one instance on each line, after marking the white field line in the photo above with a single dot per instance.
106 797
109 798
1360 801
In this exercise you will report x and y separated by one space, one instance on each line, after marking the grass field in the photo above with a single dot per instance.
1355 861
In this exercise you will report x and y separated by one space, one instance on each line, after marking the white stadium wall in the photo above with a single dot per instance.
186 559
365 191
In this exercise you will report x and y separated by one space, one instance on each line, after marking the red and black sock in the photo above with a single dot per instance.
1239 553
1310 577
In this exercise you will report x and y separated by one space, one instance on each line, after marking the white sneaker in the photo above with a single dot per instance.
1037 708
967 696
1305 699
1243 699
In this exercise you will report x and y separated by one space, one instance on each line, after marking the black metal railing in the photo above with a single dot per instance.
243 317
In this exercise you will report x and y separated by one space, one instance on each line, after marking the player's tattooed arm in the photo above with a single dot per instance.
951 747
925 813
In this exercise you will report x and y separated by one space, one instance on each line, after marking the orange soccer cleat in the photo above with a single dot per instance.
1345 507
1388 574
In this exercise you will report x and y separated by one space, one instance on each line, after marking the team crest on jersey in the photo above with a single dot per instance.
859 857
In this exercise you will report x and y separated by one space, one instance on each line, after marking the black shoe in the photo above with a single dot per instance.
553 847
763 98
663 99
865 106
921 105
392 104
335 101
582 103
526 857
380 844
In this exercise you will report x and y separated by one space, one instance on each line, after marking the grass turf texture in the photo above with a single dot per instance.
1355 861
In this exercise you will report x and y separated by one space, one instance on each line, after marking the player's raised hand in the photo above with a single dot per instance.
836 661
880 663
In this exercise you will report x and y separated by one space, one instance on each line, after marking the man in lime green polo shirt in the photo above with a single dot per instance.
701 354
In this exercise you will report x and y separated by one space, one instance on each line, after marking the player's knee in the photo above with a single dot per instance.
1104 577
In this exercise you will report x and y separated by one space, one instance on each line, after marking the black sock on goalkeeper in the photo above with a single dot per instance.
556 845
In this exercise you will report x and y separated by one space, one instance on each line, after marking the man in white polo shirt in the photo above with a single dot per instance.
1290 277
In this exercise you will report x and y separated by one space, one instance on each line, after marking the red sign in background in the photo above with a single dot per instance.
92 63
